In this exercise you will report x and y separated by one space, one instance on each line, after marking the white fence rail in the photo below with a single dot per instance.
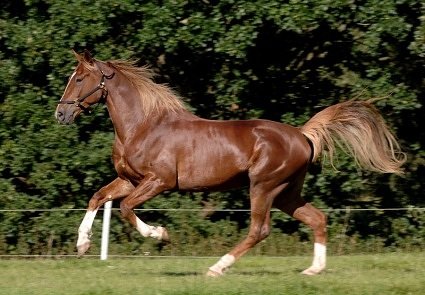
347 209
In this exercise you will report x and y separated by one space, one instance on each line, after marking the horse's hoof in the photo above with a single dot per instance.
82 249
165 238
213 274
312 271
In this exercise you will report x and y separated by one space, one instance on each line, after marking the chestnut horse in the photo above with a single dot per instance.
160 146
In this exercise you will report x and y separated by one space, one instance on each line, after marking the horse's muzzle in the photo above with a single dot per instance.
66 114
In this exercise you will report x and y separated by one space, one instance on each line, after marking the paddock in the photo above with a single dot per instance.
391 273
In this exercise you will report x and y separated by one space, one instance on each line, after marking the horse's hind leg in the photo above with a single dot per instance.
292 203
118 188
258 231
316 220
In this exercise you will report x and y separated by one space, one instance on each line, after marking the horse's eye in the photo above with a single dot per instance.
79 79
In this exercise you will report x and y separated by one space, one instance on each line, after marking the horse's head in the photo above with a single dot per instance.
86 87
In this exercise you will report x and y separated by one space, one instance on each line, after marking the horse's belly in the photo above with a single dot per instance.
202 180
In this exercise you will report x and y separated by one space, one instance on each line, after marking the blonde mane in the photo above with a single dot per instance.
155 98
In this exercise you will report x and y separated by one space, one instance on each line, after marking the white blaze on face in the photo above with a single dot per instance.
69 81
66 88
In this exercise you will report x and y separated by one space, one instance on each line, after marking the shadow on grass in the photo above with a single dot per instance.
258 273
181 273
203 274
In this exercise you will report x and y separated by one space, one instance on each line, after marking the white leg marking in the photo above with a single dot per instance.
156 232
221 266
143 228
84 231
319 260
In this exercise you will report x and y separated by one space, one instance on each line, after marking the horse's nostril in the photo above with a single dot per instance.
60 116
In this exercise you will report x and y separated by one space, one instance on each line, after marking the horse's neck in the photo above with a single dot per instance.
125 111
127 115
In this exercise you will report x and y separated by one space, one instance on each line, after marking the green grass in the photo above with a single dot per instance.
393 273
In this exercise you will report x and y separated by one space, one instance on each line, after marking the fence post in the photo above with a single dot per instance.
105 230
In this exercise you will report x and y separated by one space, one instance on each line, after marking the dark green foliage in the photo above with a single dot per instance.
280 60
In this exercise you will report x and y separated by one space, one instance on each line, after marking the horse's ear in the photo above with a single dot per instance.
77 56
84 57
87 56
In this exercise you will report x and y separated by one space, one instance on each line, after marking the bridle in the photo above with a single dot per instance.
80 100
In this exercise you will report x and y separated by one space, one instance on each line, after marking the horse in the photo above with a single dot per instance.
159 145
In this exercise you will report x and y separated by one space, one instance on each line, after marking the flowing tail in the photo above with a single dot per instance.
358 128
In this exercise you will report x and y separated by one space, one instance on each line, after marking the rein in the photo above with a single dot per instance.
101 86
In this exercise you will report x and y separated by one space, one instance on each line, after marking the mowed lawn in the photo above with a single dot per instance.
395 273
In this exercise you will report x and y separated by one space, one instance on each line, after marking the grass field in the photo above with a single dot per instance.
381 274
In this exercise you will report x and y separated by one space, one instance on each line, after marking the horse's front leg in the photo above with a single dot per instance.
118 188
146 190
